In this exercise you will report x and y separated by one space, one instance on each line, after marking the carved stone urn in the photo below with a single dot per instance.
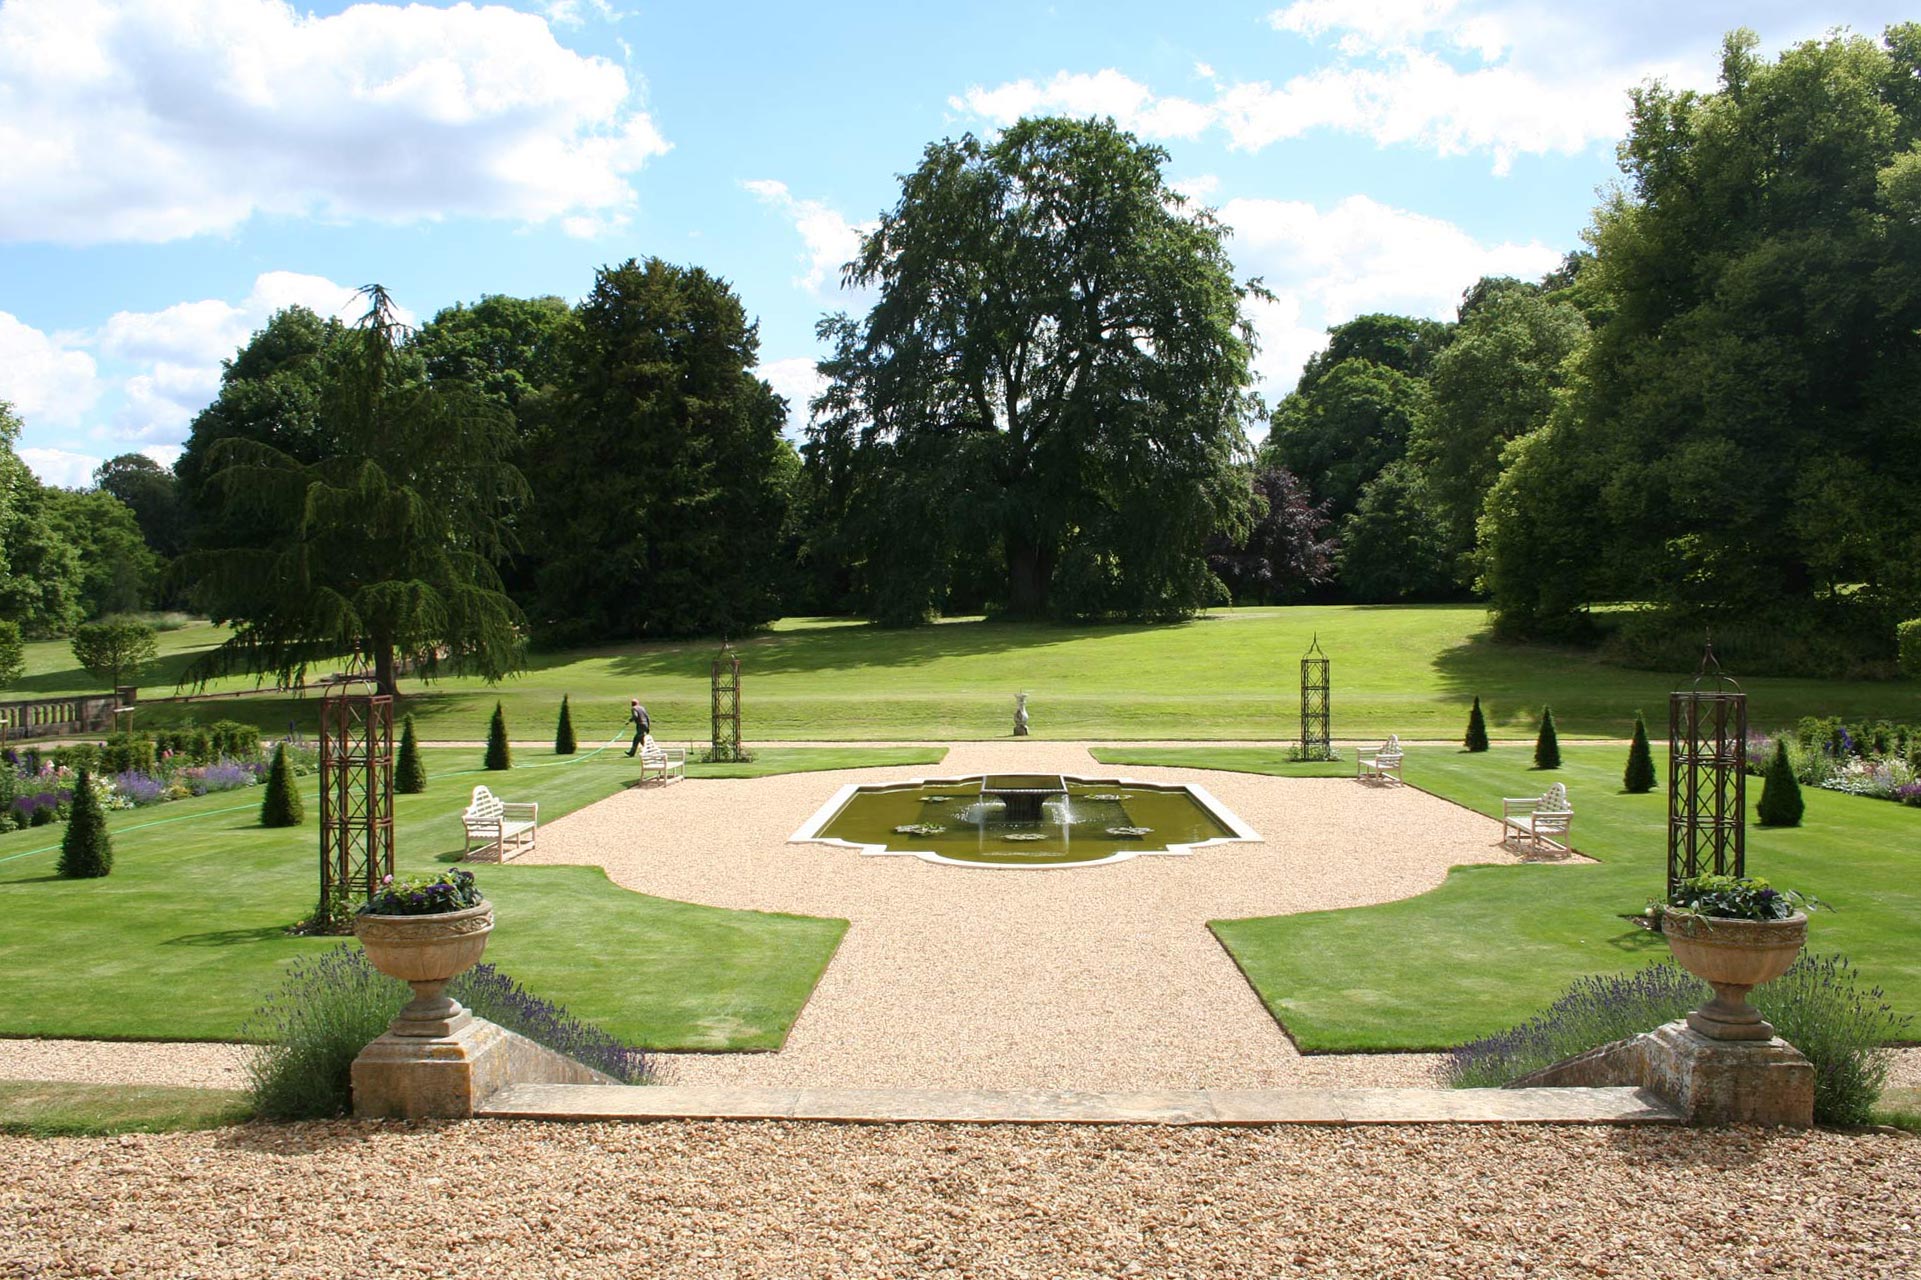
1733 957
427 952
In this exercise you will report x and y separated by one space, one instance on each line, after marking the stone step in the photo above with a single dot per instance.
1175 1106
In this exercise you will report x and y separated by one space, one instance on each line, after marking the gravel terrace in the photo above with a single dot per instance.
491 1198
1098 978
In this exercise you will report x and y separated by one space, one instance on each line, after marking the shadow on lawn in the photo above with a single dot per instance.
228 937
857 645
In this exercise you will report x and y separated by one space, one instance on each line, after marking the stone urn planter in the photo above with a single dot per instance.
1733 957
427 952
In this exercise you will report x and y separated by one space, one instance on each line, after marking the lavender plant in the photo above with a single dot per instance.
1818 1006
331 1005
1594 1011
498 998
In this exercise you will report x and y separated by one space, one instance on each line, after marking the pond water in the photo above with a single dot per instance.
1025 820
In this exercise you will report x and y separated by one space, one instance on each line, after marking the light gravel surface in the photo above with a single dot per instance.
202 1066
506 1199
1096 978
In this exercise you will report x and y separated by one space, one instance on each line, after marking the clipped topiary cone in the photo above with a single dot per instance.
1547 744
498 754
86 851
564 743
1781 803
1476 739
1638 779
281 806
410 772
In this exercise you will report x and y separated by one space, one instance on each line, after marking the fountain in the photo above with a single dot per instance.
1022 794
1023 820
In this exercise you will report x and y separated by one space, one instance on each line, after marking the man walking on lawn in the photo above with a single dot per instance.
642 725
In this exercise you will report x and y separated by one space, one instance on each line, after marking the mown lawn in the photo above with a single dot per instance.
1410 670
1493 945
187 935
43 1109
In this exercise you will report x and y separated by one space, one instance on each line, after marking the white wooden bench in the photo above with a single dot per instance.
661 764
505 828
1541 822
1382 764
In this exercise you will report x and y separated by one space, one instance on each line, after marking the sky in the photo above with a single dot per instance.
174 171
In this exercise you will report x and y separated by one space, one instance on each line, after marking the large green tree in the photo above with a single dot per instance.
1494 382
361 514
118 570
1741 426
510 348
1344 427
152 493
1053 378
41 576
660 484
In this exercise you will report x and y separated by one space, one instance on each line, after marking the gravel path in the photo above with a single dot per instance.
1097 978
201 1066
307 1202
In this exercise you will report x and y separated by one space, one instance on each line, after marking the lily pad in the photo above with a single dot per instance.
1129 831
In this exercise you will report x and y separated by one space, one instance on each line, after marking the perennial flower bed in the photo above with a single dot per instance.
37 789
1875 759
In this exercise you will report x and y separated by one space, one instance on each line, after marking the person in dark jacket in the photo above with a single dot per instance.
642 725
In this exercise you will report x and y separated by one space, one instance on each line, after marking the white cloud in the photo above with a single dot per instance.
178 349
1506 79
1359 256
1370 25
831 240
150 120
45 378
142 375
1105 93
1197 188
61 467
796 379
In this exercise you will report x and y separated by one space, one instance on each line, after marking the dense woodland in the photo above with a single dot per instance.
1707 417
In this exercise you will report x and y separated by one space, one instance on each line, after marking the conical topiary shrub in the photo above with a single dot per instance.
1547 747
281 806
1781 804
498 756
85 851
410 772
564 744
1476 728
1639 778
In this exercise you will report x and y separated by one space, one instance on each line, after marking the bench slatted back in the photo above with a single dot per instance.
486 808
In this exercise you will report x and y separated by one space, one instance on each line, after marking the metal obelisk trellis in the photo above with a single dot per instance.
356 789
1707 776
1316 705
726 693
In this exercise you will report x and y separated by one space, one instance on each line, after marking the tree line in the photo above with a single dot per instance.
1049 409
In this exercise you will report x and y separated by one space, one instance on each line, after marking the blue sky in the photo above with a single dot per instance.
172 171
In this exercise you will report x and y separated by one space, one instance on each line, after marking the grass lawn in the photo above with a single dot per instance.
187 935
1493 945
40 1109
1410 670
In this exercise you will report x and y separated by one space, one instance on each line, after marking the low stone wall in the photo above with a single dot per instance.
451 1076
1711 1081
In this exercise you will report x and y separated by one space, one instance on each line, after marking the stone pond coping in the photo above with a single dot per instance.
1225 1107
